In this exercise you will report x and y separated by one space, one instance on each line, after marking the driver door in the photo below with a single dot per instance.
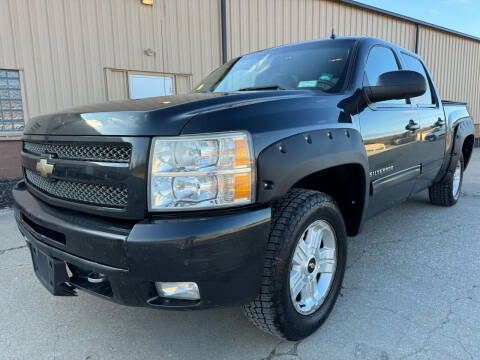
391 137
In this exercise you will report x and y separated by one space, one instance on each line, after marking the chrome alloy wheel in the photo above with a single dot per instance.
457 179
313 267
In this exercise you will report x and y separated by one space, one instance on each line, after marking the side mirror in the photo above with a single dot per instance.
401 84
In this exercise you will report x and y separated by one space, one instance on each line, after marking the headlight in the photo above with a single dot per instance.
201 171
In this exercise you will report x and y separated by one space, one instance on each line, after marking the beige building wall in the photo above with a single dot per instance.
258 24
455 65
73 52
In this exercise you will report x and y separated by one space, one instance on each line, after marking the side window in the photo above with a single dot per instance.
380 60
415 65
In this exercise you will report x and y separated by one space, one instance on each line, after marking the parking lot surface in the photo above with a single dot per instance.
411 291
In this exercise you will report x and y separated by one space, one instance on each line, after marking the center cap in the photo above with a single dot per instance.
311 265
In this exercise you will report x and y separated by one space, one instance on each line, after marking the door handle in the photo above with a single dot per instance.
412 126
440 122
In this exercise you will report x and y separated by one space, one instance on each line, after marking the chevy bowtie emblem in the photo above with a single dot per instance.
44 168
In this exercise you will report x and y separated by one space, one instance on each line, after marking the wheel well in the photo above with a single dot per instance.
346 185
467 149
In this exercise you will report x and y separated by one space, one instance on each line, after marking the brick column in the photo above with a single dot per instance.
10 169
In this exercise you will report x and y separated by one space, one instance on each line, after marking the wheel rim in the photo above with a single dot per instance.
457 178
313 267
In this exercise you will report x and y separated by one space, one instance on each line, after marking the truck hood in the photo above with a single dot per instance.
165 115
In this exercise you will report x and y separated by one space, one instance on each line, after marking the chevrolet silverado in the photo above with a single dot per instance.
244 191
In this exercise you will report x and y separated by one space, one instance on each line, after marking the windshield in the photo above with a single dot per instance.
320 65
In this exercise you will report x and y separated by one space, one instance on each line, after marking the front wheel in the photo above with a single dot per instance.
304 266
447 192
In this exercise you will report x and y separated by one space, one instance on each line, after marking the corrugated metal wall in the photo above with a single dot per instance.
258 24
455 65
64 46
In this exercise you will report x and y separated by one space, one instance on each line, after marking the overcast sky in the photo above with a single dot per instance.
459 15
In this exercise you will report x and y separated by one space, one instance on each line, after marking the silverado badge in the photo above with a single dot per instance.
44 168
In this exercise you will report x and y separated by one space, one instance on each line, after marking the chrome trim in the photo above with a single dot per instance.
397 177
312 268
457 180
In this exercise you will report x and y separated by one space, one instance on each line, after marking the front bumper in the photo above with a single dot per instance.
222 253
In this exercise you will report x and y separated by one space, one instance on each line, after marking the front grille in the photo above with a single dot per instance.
94 194
110 153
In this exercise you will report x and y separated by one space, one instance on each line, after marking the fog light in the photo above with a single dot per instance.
178 290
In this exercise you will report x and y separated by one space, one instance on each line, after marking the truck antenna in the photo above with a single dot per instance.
333 36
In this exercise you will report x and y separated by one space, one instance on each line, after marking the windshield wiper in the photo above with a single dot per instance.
263 87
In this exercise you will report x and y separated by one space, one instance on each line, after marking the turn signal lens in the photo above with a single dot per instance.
242 186
242 157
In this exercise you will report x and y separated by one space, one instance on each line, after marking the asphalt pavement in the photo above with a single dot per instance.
411 291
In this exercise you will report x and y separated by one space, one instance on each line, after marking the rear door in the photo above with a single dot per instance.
432 122
391 138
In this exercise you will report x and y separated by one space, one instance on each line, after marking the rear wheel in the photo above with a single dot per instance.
447 192
304 266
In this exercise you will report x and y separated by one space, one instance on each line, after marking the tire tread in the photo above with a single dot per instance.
442 193
263 311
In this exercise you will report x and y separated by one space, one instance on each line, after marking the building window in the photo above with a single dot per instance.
147 85
11 108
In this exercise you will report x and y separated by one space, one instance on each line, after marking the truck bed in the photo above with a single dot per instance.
453 103
455 110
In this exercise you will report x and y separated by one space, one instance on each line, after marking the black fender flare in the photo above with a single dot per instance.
464 129
286 162
461 129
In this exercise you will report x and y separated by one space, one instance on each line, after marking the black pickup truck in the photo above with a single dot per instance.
244 191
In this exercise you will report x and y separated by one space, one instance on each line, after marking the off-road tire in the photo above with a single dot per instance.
442 192
272 311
